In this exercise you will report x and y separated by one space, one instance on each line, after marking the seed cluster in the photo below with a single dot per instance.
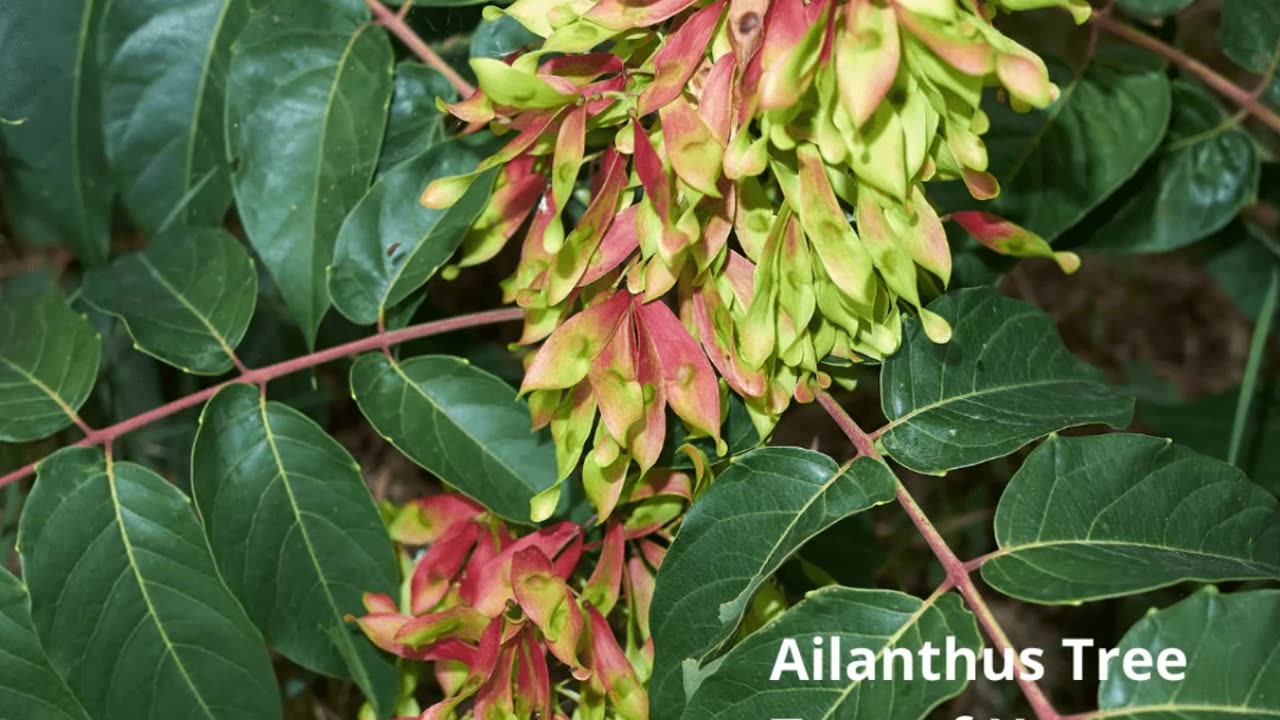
761 167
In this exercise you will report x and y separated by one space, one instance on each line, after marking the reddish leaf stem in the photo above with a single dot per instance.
261 376
1244 98
394 22
956 569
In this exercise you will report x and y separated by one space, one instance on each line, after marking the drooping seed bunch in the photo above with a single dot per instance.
760 165
507 621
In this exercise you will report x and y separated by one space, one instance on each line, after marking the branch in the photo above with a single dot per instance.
1244 98
957 571
394 22
262 376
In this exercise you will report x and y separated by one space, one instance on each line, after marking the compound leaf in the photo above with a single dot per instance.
29 688
164 67
1232 644
1108 515
295 533
126 599
461 423
875 620
49 359
307 105
1003 380
759 512
187 299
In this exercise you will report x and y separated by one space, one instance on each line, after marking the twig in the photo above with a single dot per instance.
860 439
395 23
1207 75
957 570
261 376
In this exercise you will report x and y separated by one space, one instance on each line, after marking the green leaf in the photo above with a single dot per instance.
1056 165
48 362
1153 9
127 602
1204 425
389 246
1251 33
295 533
1004 380
500 37
461 423
29 688
756 515
56 176
1109 515
1206 172
186 299
875 620
414 122
164 67
1232 644
739 433
307 105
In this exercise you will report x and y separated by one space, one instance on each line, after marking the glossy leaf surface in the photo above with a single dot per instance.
1057 164
186 299
308 95
877 620
29 688
462 424
295 533
48 363
1232 644
1107 515
1003 380
1197 182
759 512
127 602
414 123
389 246
56 178
164 78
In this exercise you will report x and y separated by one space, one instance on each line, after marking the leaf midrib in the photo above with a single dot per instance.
790 526
410 382
1011 550
198 108
142 588
906 418
39 384
350 658
327 116
77 78
201 318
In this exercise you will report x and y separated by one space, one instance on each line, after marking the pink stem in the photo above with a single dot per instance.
261 376
1244 98
861 441
394 22
956 569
